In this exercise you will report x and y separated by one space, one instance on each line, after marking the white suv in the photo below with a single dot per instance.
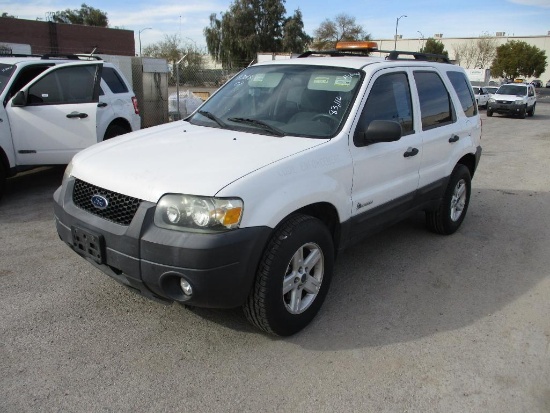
248 201
53 107
513 99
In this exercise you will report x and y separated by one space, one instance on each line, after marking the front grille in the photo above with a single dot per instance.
120 208
504 102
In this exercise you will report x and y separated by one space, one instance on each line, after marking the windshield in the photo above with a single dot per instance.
476 90
5 73
491 89
512 90
279 100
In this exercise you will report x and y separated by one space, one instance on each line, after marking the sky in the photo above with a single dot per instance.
424 18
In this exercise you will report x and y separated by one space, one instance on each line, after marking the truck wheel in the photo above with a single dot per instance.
522 113
448 217
293 277
531 113
114 130
489 112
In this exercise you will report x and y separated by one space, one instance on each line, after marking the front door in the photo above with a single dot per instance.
58 116
385 174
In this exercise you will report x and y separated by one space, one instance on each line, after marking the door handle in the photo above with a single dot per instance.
454 138
77 115
410 152
101 104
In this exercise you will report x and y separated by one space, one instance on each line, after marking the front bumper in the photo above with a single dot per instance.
506 108
220 267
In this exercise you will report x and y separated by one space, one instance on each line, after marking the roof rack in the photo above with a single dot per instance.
70 56
394 55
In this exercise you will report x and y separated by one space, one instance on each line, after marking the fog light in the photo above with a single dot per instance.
186 287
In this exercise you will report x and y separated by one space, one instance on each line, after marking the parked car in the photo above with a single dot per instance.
536 83
54 106
248 201
548 84
481 95
513 99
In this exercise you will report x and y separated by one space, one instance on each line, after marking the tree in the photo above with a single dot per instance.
295 40
516 58
434 46
173 49
4 14
342 28
249 27
478 54
86 15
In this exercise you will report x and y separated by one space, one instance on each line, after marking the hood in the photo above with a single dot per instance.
181 158
512 98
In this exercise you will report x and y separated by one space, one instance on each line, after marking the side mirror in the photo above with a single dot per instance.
19 100
378 131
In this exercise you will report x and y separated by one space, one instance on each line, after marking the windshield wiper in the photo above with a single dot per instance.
260 123
213 117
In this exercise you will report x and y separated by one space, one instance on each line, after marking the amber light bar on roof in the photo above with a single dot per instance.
370 46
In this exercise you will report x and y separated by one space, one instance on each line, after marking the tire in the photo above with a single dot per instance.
114 130
448 217
489 112
522 113
531 113
286 294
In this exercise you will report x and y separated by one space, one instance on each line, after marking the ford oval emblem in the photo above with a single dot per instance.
100 202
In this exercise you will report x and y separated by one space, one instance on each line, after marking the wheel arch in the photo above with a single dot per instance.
469 161
118 122
327 214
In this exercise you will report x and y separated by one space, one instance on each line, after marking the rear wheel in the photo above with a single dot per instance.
293 277
115 130
448 217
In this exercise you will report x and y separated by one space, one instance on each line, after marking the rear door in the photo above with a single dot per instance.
58 116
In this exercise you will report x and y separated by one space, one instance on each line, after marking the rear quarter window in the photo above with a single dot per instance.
113 80
461 86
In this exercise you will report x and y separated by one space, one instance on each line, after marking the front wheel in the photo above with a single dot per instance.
531 113
489 112
448 217
293 277
522 113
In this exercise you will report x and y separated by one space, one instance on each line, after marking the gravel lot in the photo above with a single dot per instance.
414 322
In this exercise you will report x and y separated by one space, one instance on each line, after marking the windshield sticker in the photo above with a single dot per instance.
321 80
259 77
342 81
337 105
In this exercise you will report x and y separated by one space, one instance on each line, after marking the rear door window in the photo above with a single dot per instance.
436 106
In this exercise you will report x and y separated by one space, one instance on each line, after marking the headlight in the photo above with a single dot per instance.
491 100
67 173
519 102
198 213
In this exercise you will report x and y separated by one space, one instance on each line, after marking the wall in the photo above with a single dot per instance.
46 37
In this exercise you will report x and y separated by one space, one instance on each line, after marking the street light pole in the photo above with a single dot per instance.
396 24
139 37
422 41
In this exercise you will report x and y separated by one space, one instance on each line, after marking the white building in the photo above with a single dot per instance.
414 45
